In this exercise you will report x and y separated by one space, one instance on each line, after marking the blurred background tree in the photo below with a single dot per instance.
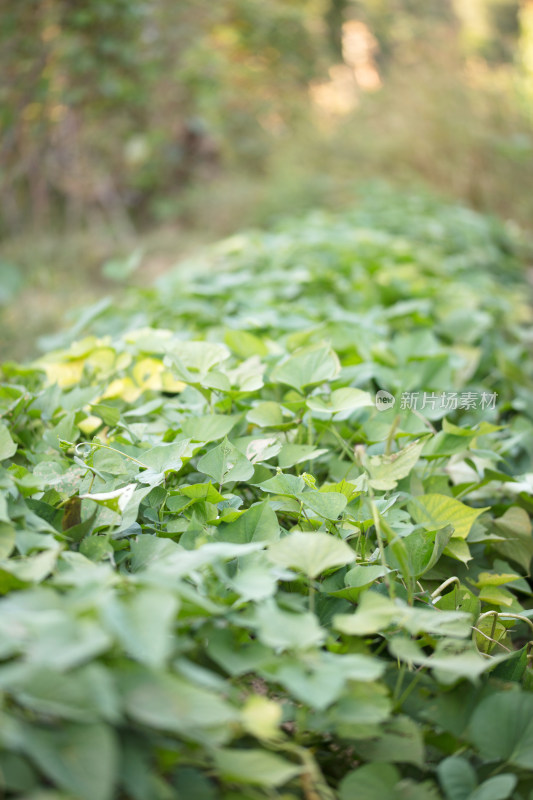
108 103
147 123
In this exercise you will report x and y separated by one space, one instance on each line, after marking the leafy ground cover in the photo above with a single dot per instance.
231 569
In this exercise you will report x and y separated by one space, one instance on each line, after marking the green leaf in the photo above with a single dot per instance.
225 463
7 539
83 695
16 773
502 728
374 613
165 457
451 660
513 668
192 783
515 526
284 484
143 624
291 454
209 428
340 400
193 360
500 787
245 344
254 581
262 449
370 782
400 741
167 702
8 448
258 524
423 550
109 414
435 511
458 549
359 578
307 367
81 759
387 470
457 777
319 682
198 491
329 505
4 516
31 569
116 500
255 767
311 553
286 630
262 717
96 548
266 415
236 657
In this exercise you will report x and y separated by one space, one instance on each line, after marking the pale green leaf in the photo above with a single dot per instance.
224 463
7 539
116 500
306 367
286 630
256 767
387 470
370 782
265 415
340 400
326 504
8 448
515 526
143 624
311 553
284 484
258 524
167 702
291 454
401 741
435 511
210 427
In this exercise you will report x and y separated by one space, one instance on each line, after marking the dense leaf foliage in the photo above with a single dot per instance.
230 569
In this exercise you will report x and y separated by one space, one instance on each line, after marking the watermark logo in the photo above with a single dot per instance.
441 401
384 400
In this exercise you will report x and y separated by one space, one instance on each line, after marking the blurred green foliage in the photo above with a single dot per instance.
228 572
158 126
117 109
106 103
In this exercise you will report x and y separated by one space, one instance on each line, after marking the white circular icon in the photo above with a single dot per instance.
384 400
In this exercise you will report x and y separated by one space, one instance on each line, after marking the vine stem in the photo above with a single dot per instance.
505 615
347 450
390 437
494 641
379 537
113 449
403 697
311 596
497 615
436 595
